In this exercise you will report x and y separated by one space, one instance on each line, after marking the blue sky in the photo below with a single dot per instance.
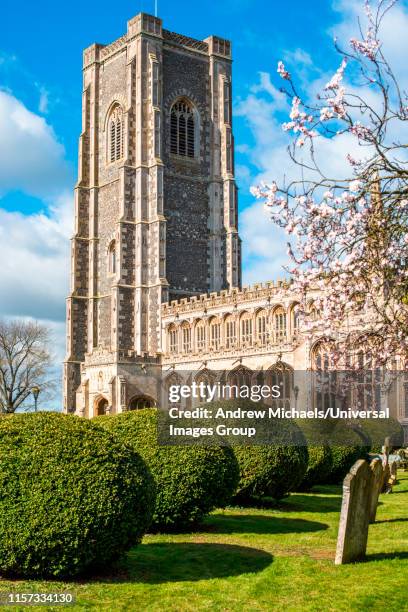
40 116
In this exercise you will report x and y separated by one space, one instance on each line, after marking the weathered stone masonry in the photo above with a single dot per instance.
168 221
156 256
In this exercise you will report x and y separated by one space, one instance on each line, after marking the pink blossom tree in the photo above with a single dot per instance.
348 235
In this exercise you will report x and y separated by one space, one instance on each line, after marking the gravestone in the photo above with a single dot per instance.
355 514
385 454
393 474
378 476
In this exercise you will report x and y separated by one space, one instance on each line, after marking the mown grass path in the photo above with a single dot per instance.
257 559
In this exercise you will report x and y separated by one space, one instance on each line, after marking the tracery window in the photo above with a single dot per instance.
368 381
261 327
200 336
173 339
281 375
186 330
279 318
230 332
215 334
115 134
246 329
324 376
182 129
295 318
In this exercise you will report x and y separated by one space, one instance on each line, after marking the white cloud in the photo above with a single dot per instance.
34 248
299 57
31 158
34 251
264 246
44 101
265 85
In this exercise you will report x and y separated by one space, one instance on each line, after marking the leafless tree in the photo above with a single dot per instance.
25 363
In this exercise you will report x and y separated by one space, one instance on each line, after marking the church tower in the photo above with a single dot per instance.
155 204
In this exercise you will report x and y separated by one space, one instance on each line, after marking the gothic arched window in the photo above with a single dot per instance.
230 332
279 317
262 327
115 134
215 333
246 329
200 335
324 376
173 339
182 129
186 337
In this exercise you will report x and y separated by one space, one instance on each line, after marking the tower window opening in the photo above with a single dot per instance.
182 129
115 147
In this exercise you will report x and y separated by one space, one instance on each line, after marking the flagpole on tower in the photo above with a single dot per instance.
155 8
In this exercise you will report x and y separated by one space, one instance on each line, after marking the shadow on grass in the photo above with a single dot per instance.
176 562
303 502
252 523
159 563
394 520
386 556
295 502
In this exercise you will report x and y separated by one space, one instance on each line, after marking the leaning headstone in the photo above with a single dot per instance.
378 475
355 514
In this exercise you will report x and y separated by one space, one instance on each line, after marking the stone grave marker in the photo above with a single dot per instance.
385 451
393 474
378 476
355 514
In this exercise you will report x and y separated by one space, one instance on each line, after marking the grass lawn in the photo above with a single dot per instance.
257 559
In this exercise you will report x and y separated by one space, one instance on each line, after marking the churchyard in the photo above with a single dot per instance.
280 556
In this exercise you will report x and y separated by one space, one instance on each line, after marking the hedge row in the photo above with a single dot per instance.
191 480
75 494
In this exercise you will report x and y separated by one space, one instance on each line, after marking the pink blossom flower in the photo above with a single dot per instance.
336 79
283 73
355 186
326 114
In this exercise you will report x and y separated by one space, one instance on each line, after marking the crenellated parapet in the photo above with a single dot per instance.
258 320
266 291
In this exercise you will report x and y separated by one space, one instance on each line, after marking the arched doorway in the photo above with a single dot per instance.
138 402
101 405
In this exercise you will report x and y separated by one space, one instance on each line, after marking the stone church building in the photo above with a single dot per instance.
156 292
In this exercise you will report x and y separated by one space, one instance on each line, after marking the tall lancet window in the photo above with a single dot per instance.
182 129
115 134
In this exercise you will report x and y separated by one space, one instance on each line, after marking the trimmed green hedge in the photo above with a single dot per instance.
319 466
269 471
276 465
343 445
346 447
344 458
72 497
316 432
374 432
191 480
